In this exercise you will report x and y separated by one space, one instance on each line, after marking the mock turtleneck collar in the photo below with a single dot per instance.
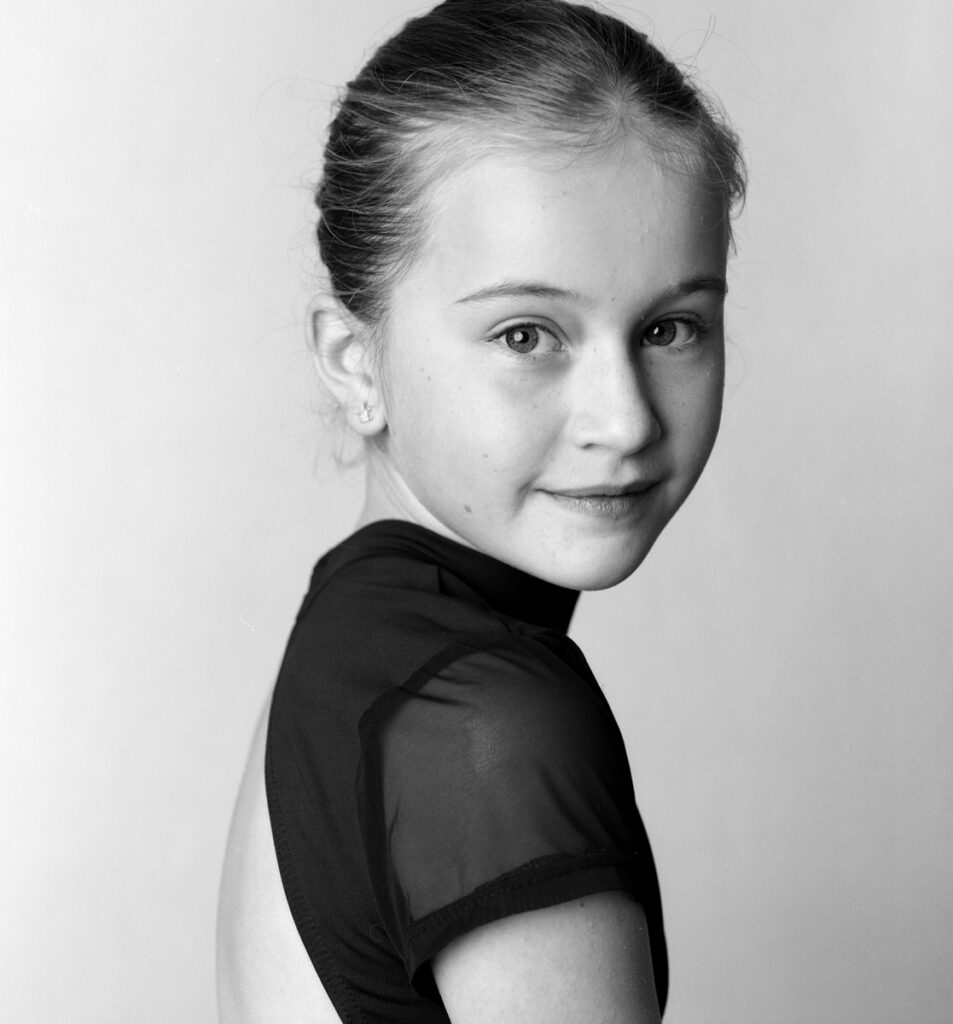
511 591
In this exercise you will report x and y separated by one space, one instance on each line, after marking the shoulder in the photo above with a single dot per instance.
512 693
495 782
494 757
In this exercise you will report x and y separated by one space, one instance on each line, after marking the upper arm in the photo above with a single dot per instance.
585 960
495 796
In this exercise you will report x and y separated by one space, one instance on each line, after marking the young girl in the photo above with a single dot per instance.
524 217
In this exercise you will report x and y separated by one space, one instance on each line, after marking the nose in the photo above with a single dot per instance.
613 405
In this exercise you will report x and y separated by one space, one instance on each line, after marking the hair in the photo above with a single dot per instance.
476 74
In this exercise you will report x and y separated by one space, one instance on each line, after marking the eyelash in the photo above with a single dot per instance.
699 328
500 337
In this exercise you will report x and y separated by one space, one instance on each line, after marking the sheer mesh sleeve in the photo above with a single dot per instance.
495 781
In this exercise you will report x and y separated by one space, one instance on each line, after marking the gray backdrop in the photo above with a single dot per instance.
782 663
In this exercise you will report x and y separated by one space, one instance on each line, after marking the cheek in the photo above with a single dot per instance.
461 421
517 427
485 418
703 414
483 437
692 413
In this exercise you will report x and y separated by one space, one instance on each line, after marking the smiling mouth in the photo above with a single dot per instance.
606 501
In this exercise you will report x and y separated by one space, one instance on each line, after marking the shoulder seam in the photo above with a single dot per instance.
459 647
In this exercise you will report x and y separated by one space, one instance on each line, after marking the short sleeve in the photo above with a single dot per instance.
493 782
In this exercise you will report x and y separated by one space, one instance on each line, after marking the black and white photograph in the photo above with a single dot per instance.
477 481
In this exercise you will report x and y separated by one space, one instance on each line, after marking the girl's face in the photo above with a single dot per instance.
553 362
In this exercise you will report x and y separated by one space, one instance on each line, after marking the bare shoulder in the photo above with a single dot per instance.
264 972
587 959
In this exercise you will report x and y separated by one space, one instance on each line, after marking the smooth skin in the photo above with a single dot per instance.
561 331
547 389
585 961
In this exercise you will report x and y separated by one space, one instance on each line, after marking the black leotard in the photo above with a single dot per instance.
439 755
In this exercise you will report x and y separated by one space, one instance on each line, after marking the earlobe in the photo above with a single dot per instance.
343 358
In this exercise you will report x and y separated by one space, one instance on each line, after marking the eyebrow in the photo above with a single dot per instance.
538 290
523 289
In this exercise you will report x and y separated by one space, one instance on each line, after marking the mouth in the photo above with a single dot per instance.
606 501
605 490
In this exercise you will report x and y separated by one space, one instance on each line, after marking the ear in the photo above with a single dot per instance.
344 360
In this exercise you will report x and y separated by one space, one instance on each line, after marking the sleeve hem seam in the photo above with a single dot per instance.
542 870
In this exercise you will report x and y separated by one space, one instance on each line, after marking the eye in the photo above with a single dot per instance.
673 332
526 339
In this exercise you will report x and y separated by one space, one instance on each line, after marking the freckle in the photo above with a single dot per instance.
467 507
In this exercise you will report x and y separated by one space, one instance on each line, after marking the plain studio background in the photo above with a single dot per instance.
782 663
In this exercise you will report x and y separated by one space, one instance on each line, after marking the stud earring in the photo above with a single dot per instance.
365 415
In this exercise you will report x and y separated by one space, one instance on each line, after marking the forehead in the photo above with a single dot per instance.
600 222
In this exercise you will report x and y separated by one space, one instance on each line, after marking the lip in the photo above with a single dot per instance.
606 501
603 490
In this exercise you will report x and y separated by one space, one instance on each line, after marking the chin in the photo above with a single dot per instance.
586 571
595 577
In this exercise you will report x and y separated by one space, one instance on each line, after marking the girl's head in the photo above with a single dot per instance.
476 75
525 221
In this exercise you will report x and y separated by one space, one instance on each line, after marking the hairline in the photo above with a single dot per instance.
439 144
